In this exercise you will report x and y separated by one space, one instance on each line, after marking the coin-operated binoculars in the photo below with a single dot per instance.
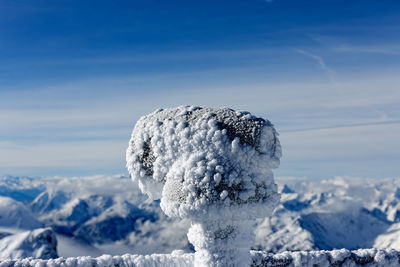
213 166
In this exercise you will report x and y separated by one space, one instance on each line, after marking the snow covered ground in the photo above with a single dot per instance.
97 215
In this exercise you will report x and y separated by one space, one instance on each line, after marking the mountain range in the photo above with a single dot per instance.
90 216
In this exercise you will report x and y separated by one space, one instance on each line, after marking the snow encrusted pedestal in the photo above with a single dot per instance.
222 243
212 166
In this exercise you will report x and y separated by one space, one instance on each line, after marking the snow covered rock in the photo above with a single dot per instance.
390 238
212 166
39 243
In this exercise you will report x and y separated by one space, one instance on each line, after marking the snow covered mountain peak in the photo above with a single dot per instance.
15 214
39 243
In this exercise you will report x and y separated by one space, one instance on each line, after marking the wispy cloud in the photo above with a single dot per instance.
372 123
91 133
373 49
321 63
364 151
344 45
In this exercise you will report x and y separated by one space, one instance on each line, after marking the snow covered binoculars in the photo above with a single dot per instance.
213 166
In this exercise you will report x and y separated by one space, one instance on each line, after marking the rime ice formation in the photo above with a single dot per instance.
212 166
343 257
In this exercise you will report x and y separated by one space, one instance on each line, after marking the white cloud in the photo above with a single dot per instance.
72 154
59 128
364 151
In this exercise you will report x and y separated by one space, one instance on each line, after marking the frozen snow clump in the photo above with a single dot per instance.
212 165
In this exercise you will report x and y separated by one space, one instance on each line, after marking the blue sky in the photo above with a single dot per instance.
76 75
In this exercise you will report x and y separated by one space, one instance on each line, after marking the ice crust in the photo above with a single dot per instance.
212 166
206 161
342 257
